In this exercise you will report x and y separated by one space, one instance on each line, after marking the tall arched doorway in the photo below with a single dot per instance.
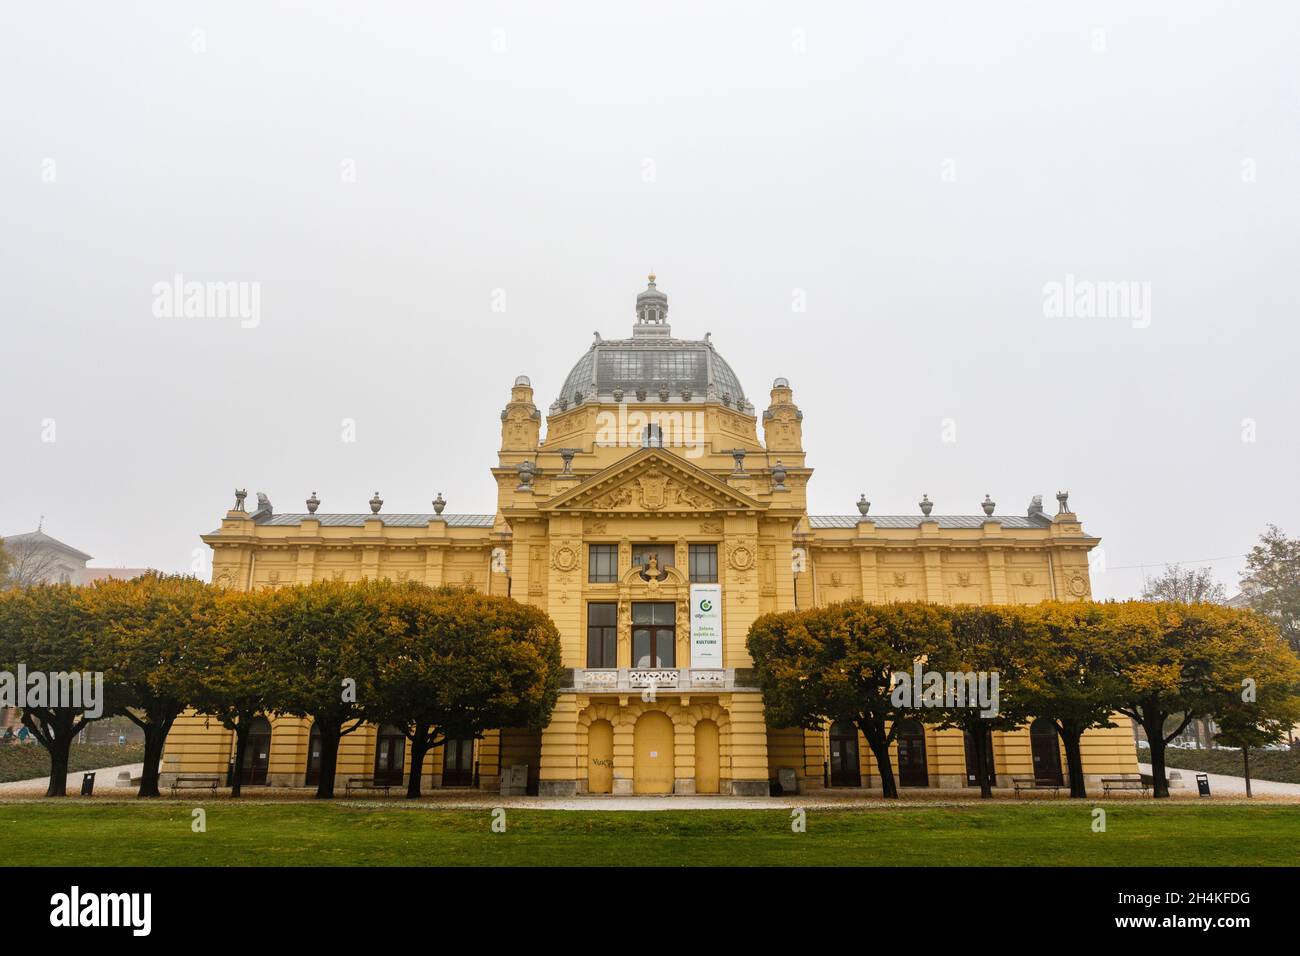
600 757
912 771
652 753
390 755
846 771
972 760
257 752
707 757
1046 751
313 756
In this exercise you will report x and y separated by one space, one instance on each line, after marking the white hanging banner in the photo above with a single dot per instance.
706 625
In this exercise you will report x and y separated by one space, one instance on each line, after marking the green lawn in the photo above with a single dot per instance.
1042 833
1280 765
24 761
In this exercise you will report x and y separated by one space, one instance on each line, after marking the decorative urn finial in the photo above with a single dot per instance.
313 503
863 504
926 505
739 455
240 495
438 504
988 504
376 503
1063 502
778 476
526 471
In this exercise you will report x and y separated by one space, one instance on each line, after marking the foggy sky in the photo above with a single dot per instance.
915 173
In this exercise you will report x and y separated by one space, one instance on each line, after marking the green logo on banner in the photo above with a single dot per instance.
706 605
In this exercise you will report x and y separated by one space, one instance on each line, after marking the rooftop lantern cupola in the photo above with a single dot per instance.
651 313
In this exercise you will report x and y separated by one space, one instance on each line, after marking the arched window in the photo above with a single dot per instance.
257 752
652 437
912 771
1046 751
313 756
390 755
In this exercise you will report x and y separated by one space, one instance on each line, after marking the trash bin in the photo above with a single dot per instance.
87 784
1203 784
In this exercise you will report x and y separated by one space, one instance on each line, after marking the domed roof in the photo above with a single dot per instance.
691 370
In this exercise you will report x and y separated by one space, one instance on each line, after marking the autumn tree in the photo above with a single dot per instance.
982 640
1179 661
236 684
321 660
838 663
45 629
1271 582
1067 675
453 663
1267 704
1184 585
155 632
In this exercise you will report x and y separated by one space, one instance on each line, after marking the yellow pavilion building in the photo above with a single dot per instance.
654 513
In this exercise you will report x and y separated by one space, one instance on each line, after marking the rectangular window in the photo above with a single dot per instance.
654 635
602 635
704 563
602 563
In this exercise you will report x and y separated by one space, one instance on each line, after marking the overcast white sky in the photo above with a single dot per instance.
918 170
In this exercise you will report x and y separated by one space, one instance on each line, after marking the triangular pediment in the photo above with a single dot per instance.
656 481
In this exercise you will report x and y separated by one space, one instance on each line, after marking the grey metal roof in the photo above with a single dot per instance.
636 363
914 521
391 520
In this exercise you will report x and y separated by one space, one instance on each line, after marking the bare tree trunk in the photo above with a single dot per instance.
983 737
1245 766
1070 738
241 741
329 756
1154 728
878 741
420 742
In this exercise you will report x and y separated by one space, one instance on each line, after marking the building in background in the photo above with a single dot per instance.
654 523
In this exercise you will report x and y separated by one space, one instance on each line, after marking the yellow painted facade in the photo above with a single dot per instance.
653 448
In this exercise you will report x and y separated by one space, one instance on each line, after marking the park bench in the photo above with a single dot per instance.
1123 783
206 781
366 783
1036 783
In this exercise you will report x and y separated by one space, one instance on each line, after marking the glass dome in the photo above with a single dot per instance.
651 360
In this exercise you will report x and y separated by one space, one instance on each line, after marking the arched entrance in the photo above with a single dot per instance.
600 757
846 771
972 761
707 757
313 756
1046 751
652 753
257 752
912 771
390 755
